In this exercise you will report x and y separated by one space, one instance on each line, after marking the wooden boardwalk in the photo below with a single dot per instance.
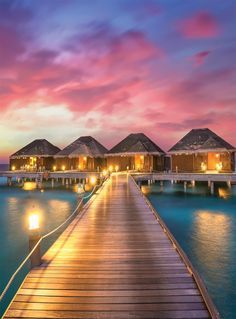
114 262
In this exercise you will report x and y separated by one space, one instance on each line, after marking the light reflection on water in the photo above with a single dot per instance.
205 227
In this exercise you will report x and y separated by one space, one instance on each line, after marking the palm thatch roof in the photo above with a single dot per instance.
137 143
38 148
201 140
83 146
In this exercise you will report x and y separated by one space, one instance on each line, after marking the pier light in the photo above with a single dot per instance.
203 166
54 168
85 158
79 167
117 168
219 166
63 167
34 221
93 180
110 168
104 172
13 168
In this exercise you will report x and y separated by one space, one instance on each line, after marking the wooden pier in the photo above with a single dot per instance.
116 261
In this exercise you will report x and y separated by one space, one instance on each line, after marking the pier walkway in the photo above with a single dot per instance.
116 261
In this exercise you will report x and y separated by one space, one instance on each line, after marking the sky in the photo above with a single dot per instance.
107 68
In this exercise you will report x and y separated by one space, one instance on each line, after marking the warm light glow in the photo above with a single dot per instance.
13 168
33 221
217 155
29 186
219 166
80 189
110 168
203 166
93 180
104 172
63 167
79 167
117 168
223 193
54 168
142 157
85 158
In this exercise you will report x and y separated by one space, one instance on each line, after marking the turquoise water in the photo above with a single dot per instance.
205 227
53 206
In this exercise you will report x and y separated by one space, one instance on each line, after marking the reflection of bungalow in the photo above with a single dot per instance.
136 152
202 150
38 155
85 154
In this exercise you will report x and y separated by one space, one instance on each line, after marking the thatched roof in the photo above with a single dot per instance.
201 140
136 144
41 148
83 146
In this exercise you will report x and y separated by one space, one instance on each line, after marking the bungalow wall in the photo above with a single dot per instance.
193 162
137 162
158 163
80 163
182 162
32 163
121 161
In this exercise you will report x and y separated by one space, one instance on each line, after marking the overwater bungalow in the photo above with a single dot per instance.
201 150
37 155
136 152
84 154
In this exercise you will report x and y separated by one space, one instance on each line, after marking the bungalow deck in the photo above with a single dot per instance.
116 261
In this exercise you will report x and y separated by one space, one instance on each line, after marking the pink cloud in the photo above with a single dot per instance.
200 57
200 25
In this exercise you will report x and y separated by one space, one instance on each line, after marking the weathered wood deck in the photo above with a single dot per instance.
115 262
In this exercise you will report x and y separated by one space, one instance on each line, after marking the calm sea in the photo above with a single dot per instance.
205 227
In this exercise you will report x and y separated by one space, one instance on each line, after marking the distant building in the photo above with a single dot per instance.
84 154
136 152
37 155
202 150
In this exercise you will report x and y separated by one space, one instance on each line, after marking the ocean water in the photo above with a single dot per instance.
205 227
53 206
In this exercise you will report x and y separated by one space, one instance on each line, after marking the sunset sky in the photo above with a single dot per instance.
108 68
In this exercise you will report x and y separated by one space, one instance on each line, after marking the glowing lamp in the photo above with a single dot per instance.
63 167
34 221
110 168
93 180
54 168
13 168
117 168
85 158
203 166
104 173
219 166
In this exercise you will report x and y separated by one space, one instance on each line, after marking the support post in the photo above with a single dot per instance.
209 184
63 181
185 186
52 182
229 184
35 258
193 183
212 188
9 181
